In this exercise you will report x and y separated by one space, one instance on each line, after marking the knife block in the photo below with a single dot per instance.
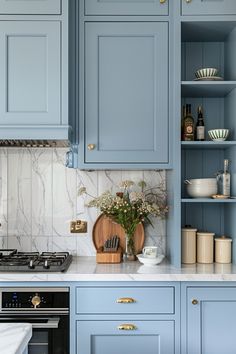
109 257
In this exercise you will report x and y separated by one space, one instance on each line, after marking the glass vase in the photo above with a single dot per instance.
129 254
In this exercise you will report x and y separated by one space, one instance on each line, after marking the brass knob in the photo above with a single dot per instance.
91 147
125 300
194 301
36 300
127 327
162 1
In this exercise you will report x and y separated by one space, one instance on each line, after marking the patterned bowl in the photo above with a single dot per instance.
206 72
218 134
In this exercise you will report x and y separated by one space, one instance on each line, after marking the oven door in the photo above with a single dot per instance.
50 334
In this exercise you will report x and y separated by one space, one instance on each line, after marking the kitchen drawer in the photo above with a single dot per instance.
128 300
30 7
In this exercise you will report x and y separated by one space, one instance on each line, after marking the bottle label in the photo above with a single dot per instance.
200 133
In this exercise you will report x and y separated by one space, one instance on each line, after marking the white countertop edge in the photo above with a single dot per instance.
20 332
85 269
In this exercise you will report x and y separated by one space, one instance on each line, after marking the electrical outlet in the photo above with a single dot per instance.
78 226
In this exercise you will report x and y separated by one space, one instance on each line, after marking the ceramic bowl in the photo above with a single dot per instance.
218 134
201 187
206 72
150 262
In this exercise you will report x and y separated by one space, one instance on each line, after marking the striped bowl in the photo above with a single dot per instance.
218 134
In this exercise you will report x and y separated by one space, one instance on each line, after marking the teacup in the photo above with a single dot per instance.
150 251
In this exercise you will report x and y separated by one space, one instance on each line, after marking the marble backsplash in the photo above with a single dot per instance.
39 197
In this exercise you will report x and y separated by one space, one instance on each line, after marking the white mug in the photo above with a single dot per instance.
150 251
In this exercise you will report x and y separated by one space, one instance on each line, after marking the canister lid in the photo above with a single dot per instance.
189 229
223 239
205 234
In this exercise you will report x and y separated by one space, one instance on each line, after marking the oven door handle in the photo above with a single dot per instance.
52 322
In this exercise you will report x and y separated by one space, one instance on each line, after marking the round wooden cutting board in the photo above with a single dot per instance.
105 228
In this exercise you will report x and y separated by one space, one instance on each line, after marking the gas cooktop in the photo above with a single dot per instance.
13 261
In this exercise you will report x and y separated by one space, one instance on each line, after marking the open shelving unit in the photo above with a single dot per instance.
209 44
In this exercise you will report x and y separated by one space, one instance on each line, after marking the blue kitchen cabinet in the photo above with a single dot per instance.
125 117
25 7
133 337
30 68
210 316
206 7
132 7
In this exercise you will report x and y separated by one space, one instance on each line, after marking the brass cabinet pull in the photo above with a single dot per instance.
194 301
162 1
125 300
127 327
188 1
91 147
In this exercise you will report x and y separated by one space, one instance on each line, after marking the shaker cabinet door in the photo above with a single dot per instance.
211 320
113 337
25 7
209 7
30 71
126 93
131 7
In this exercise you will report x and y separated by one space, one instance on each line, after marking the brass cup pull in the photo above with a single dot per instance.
91 147
127 327
188 1
194 301
162 1
125 300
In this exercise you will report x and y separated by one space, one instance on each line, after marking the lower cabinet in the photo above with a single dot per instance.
209 320
132 337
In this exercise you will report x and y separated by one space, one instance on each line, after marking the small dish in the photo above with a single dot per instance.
218 134
150 262
206 72
209 78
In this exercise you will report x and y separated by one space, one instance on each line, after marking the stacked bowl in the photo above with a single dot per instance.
201 187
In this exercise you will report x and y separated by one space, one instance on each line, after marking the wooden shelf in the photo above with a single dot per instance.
192 145
207 200
207 88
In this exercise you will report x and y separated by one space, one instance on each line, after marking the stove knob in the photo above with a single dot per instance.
36 300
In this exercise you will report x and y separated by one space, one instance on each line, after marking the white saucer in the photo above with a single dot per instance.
150 262
209 78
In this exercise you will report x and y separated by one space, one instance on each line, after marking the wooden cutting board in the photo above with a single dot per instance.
105 228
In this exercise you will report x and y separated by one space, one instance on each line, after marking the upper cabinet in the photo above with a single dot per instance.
34 70
25 7
126 94
131 7
206 7
30 65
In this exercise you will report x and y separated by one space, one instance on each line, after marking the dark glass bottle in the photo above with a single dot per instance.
200 127
188 126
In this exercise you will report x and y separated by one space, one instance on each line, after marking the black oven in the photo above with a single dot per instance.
47 309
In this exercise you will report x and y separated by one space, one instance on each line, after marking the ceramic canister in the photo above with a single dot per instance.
205 245
188 245
223 249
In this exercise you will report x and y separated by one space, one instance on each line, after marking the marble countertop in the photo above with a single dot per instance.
14 337
86 269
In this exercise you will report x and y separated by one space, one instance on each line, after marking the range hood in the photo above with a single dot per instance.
34 143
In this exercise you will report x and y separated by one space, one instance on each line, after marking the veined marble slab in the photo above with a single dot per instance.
86 269
14 337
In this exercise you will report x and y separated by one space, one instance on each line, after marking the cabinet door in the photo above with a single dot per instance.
30 72
209 7
24 7
211 323
152 337
121 7
126 92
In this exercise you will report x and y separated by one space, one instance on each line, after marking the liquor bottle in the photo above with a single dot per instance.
200 127
188 126
223 179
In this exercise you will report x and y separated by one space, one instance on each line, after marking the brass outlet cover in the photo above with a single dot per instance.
78 226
